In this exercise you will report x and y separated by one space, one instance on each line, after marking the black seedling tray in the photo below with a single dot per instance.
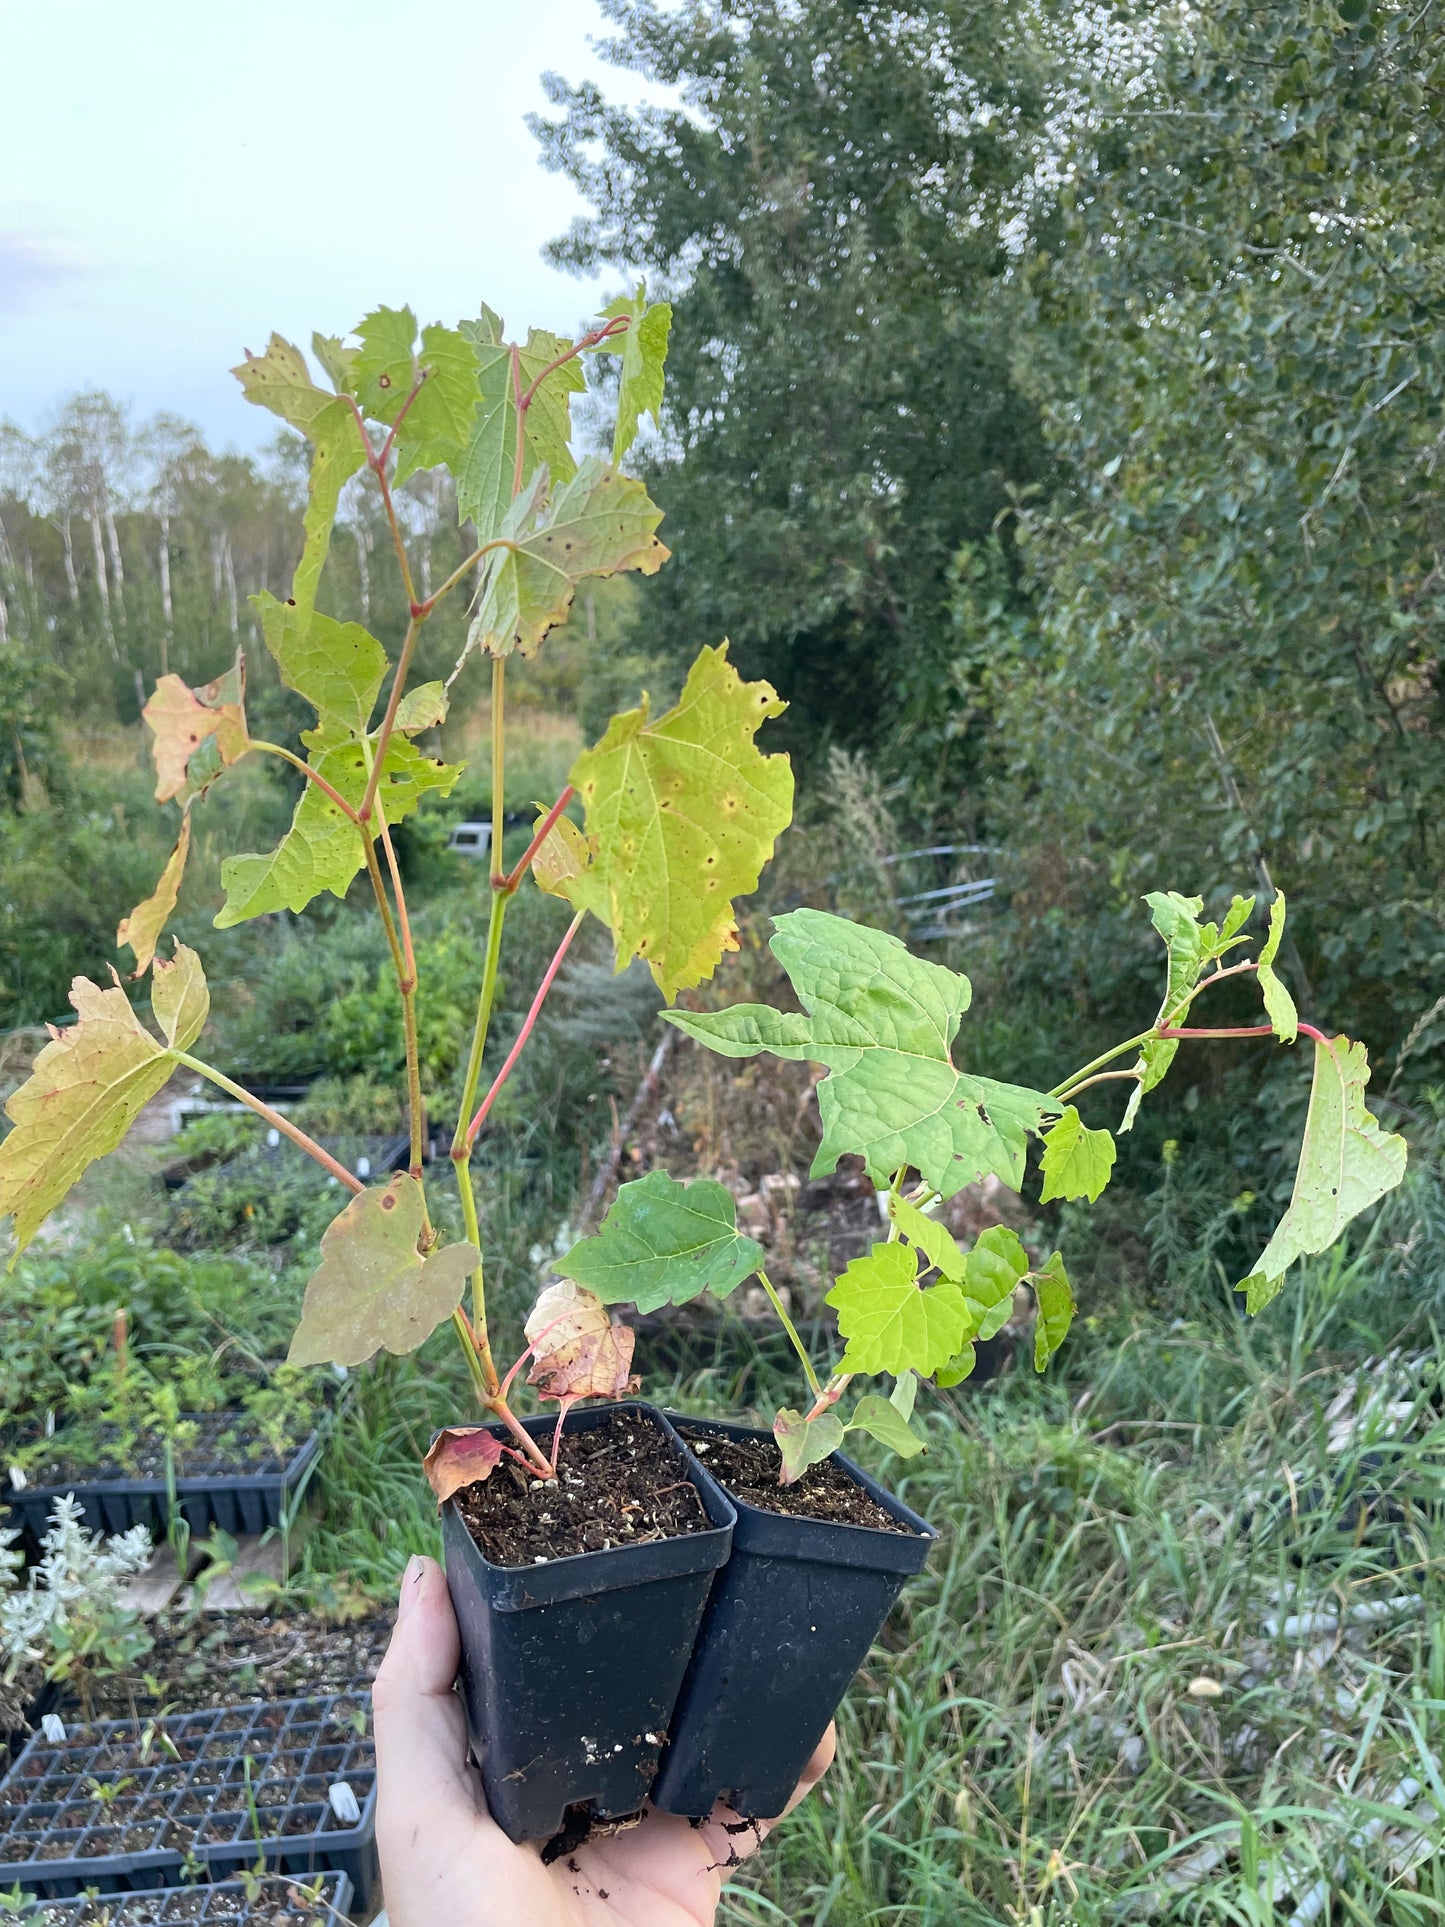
225 1902
125 1805
210 1490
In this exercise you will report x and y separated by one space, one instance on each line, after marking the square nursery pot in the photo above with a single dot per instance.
122 1806
210 1490
570 1669
789 1623
326 1900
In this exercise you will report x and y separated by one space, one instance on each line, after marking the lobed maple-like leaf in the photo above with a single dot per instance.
182 720
1347 1163
280 380
597 524
373 1289
141 930
643 348
1077 1161
805 1441
460 1455
87 1085
882 1022
577 1351
682 813
1056 1309
323 849
663 1242
488 465
437 425
1190 946
890 1322
1278 1004
337 666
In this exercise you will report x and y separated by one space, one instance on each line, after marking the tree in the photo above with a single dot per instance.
832 204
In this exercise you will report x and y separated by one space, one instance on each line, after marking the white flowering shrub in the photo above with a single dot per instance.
69 1615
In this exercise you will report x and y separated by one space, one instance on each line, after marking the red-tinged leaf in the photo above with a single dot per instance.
579 1352
183 719
141 930
460 1456
805 1441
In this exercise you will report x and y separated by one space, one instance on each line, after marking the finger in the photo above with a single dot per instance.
421 1738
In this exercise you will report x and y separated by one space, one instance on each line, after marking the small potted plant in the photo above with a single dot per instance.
581 1552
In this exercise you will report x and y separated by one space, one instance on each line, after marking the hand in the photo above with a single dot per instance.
446 1863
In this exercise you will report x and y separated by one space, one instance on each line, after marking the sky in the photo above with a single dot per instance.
179 177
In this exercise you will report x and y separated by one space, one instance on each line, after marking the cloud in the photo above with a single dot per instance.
30 269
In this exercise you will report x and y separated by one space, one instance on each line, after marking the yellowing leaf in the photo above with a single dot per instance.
280 380
422 708
460 1455
563 864
1346 1164
1056 1310
891 1324
182 719
805 1441
86 1087
1279 1005
373 1289
1077 1162
141 930
597 524
683 812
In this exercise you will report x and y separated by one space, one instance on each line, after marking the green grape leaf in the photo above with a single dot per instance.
1279 1005
322 850
682 812
141 930
643 349
890 1322
185 721
597 524
1056 1310
422 708
1347 1163
280 380
336 666
931 1238
662 1243
805 1441
87 1085
884 1422
995 1265
373 1290
443 370
882 1022
1077 1162
488 464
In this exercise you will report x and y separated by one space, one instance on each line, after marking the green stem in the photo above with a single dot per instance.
791 1329
1077 1077
274 1118
383 735
499 766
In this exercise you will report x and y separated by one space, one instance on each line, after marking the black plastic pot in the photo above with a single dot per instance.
570 1669
788 1625
209 1490
215 1791
226 1901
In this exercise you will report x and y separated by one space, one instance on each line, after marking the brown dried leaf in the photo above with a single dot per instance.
141 930
182 719
579 1352
460 1456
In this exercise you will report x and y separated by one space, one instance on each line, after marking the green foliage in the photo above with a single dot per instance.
889 1323
1077 1161
662 1243
882 1022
